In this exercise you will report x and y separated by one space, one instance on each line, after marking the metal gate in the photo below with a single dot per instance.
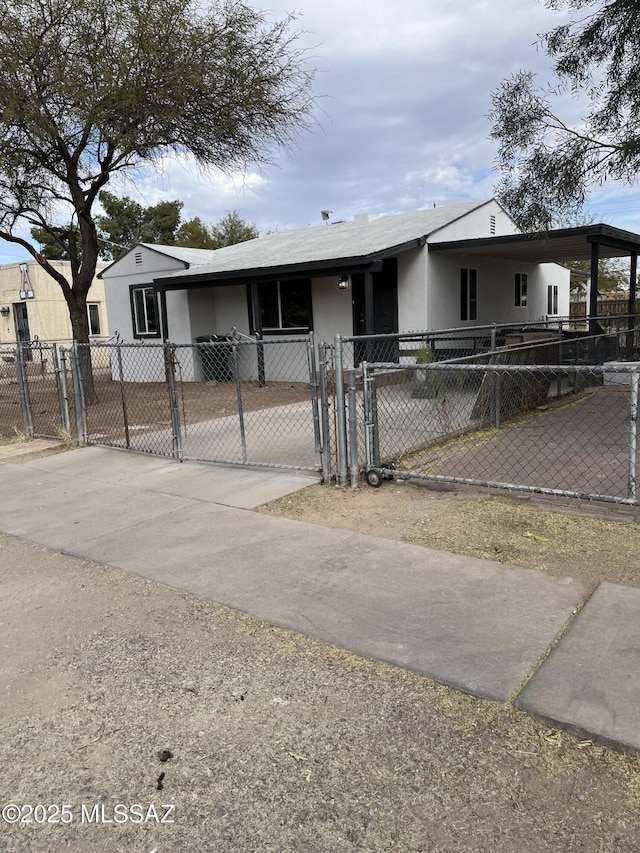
235 400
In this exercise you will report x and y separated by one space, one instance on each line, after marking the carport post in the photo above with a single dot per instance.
633 435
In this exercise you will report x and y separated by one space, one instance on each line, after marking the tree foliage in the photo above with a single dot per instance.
548 164
92 88
232 229
125 223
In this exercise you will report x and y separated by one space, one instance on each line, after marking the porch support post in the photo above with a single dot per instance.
369 327
368 303
256 316
164 316
593 293
633 278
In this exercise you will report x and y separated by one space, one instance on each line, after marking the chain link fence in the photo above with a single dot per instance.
433 409
556 429
234 400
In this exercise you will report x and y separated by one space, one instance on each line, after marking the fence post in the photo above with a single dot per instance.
324 412
341 431
170 370
78 394
495 384
262 378
64 390
23 388
352 406
371 443
313 381
236 379
633 435
64 411
123 396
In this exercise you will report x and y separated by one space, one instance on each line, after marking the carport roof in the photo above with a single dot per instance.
560 246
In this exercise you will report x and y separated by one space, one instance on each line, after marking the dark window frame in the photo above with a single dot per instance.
95 305
276 331
521 289
552 300
134 325
468 294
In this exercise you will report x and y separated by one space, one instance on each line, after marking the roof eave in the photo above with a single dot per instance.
321 268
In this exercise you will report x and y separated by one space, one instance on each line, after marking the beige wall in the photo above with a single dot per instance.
47 312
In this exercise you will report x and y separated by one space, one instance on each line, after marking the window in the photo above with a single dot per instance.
552 299
521 290
93 316
468 294
286 305
144 309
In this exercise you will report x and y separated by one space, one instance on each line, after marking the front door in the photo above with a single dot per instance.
385 314
23 336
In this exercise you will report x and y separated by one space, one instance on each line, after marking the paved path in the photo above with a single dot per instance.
474 624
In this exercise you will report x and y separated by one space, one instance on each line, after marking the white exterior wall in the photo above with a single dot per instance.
332 309
147 365
496 290
476 224
412 290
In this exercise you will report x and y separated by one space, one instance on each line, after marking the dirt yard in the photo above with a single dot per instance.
277 742
141 406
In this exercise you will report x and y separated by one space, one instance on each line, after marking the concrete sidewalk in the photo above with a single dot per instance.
474 624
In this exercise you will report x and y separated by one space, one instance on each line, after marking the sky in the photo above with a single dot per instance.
403 91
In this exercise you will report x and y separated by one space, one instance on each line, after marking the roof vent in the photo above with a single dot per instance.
492 224
138 257
363 218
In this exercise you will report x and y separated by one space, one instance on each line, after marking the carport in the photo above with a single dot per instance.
563 246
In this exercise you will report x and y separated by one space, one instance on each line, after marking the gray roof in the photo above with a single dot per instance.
360 238
191 257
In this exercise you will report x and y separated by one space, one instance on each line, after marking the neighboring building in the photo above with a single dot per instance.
32 305
447 267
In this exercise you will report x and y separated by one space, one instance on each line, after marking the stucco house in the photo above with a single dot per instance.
32 305
461 265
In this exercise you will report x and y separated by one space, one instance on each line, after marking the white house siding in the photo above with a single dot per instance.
332 309
475 224
496 290
412 290
144 360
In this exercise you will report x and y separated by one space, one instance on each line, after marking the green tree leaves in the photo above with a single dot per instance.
547 164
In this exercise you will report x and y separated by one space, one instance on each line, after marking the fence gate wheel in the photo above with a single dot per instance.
374 478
